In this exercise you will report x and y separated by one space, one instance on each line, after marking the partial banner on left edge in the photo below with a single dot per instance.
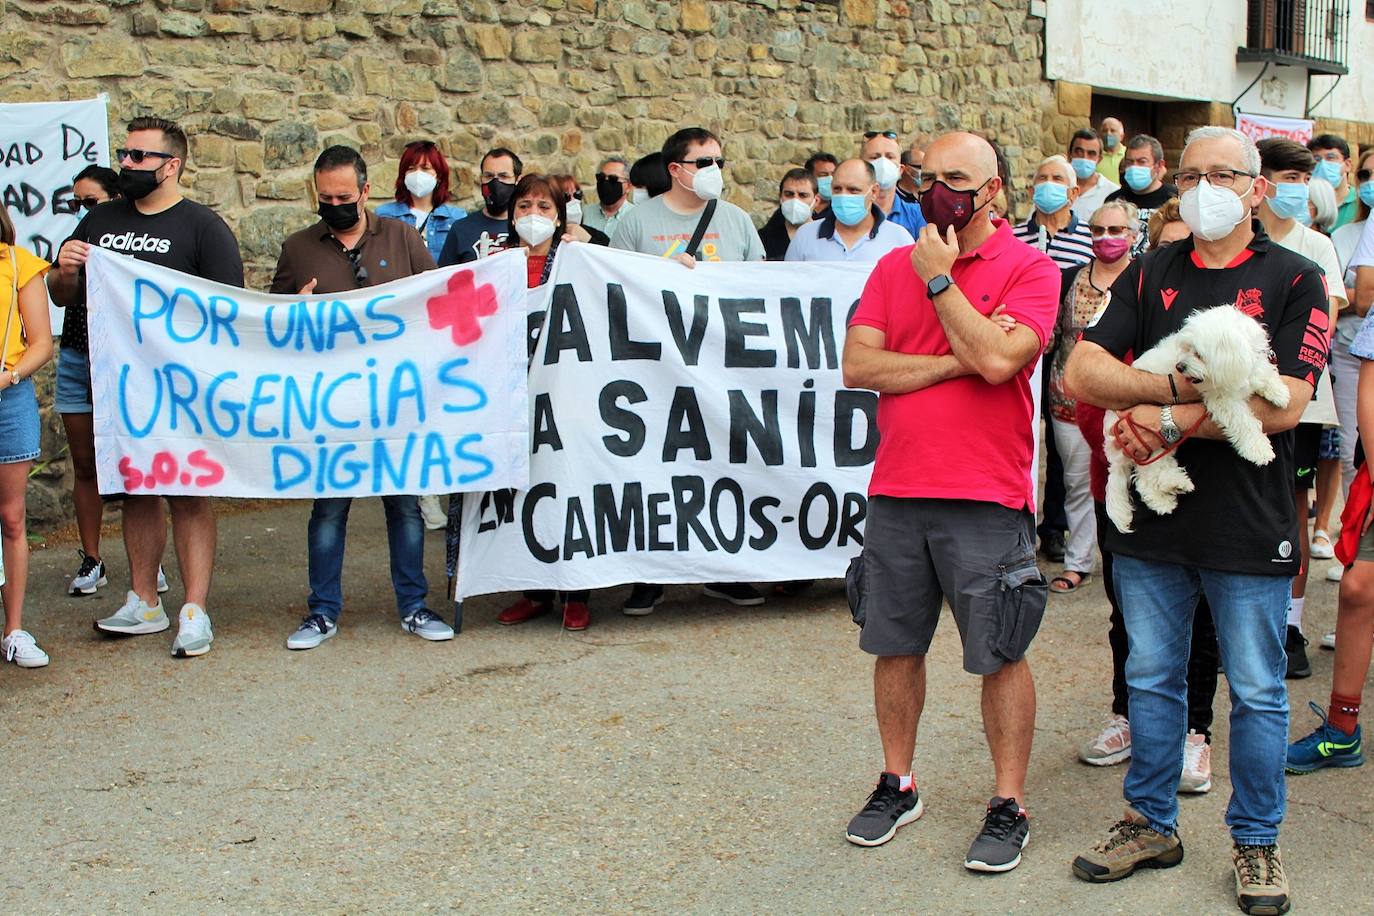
43 145
415 386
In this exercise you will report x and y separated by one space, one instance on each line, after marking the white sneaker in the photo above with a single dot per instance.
162 585
135 618
425 624
89 577
21 649
1112 745
193 632
433 513
1197 764
1334 572
1329 640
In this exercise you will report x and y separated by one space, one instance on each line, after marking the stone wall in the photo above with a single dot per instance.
263 85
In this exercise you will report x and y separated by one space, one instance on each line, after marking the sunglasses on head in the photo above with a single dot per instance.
889 134
138 155
703 162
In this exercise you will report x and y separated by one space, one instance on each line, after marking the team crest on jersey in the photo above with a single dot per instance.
1250 301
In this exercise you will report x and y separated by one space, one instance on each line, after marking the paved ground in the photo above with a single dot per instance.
702 760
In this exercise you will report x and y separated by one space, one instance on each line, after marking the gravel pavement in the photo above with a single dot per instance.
704 759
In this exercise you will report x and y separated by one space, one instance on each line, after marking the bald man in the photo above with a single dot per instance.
1113 134
956 523
854 228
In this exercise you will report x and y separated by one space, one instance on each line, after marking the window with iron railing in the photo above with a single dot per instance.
1314 34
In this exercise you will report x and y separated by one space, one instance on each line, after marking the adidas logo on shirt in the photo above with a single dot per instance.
128 241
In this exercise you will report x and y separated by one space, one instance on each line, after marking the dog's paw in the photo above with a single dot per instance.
1259 451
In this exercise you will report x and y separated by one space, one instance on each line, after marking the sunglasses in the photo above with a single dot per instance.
1364 175
577 195
1113 231
704 162
355 256
138 155
889 134
602 176
88 203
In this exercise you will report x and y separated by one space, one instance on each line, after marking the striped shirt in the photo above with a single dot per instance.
1069 247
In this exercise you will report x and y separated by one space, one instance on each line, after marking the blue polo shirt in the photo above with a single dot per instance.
817 241
907 214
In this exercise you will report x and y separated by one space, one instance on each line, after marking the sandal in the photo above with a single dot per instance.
1321 547
1069 585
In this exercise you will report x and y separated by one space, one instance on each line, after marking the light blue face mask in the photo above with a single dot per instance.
823 186
1367 193
1139 177
1289 200
849 209
1083 168
1330 172
1050 197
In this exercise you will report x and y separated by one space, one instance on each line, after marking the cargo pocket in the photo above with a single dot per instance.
855 589
1022 593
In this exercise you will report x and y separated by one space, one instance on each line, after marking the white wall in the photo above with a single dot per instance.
1185 50
1353 99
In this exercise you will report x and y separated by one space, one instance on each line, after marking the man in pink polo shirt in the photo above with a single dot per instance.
952 523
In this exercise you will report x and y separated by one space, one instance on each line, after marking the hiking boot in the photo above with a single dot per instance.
1111 746
1131 843
1295 647
1197 765
1006 831
1261 886
887 809
1327 746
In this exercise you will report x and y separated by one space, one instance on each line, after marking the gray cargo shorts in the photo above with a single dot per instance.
918 552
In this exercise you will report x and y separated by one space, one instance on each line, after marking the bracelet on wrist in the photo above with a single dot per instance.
1173 387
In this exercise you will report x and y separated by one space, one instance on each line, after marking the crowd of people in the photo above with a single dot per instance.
1116 252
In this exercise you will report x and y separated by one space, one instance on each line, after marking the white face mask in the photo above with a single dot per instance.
1211 213
795 211
419 183
535 229
639 196
886 171
707 183
574 210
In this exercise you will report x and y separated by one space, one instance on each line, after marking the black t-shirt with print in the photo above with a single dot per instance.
474 236
1240 517
187 236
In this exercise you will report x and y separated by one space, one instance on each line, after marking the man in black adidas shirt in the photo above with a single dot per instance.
154 223
1233 538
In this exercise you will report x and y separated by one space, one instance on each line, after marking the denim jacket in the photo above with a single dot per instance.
435 229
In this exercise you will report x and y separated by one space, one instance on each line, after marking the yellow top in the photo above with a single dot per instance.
30 266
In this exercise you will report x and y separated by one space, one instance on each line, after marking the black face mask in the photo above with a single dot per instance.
497 195
609 191
136 184
340 217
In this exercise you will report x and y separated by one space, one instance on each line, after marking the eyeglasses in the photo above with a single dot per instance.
889 134
1217 178
503 177
704 162
138 155
355 256
1113 231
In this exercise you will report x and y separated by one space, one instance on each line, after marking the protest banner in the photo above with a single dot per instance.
688 425
1257 127
42 147
415 386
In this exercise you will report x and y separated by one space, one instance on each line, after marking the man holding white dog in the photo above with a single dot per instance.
1233 538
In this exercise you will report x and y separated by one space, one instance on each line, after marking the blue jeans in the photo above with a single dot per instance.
1157 601
405 535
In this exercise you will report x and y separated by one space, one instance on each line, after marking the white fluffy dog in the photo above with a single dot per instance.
1225 354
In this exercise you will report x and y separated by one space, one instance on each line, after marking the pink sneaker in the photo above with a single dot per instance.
1111 746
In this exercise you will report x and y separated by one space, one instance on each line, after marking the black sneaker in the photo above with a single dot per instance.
997 847
642 600
1295 645
736 593
1052 546
888 808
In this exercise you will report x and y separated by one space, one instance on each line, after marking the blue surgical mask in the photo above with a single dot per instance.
1110 141
1050 197
1367 193
1083 168
1139 177
849 209
1289 200
823 186
1329 171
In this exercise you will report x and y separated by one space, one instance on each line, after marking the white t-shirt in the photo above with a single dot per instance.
1088 201
1314 246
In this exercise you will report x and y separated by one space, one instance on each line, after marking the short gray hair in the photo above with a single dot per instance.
1323 198
619 160
1248 150
1063 163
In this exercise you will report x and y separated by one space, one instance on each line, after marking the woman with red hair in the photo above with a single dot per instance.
422 194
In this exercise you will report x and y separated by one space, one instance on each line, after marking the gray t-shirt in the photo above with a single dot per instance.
651 228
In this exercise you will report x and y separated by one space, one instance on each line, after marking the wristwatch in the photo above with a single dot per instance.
1168 429
938 285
